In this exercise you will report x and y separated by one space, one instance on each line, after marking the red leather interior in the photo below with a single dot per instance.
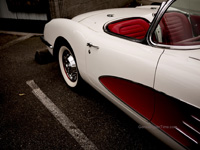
196 24
175 27
135 28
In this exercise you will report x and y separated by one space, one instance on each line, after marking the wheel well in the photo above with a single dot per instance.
58 43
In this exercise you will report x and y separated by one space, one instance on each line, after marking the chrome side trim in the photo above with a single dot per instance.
45 42
189 126
183 133
197 119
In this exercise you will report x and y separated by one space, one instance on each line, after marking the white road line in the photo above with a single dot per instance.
77 134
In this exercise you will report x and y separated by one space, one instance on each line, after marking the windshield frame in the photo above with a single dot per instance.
162 10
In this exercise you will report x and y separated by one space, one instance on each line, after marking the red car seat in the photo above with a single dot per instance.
175 28
135 28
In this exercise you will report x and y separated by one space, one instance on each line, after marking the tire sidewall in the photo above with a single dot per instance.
60 59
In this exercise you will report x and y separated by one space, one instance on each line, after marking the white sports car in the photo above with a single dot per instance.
145 60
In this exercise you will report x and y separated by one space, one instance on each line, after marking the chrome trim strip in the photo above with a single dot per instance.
180 131
45 42
189 126
174 47
197 119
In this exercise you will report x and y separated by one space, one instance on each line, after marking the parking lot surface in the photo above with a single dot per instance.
38 111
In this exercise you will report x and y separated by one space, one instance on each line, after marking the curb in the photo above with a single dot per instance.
23 37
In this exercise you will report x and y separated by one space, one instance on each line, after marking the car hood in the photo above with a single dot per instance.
97 19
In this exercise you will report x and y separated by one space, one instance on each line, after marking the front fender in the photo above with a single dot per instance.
74 33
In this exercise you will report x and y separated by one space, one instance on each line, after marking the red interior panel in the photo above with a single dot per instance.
175 27
196 24
135 28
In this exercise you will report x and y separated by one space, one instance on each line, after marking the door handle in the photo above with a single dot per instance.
91 45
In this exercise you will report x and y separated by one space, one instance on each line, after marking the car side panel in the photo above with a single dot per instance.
127 60
177 102
178 75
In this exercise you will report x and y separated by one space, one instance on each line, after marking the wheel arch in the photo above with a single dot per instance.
74 35
59 42
78 53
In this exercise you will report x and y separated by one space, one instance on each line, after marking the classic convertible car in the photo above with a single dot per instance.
145 60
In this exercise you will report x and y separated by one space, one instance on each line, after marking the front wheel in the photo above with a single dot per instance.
68 67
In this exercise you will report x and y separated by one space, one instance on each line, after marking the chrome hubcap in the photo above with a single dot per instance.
69 65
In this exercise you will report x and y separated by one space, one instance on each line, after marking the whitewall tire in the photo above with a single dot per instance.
68 66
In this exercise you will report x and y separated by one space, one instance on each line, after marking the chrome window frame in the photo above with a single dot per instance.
163 8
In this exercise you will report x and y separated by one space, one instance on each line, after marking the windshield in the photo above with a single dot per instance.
180 25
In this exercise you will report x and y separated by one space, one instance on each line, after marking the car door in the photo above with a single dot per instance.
124 68
177 79
177 99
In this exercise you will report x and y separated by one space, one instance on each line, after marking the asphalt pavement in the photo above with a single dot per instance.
66 119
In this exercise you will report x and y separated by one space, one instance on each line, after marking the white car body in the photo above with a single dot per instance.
103 59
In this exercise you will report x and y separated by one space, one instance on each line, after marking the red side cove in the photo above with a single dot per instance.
138 97
135 28
179 120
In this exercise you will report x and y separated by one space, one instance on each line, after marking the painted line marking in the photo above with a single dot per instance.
76 133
